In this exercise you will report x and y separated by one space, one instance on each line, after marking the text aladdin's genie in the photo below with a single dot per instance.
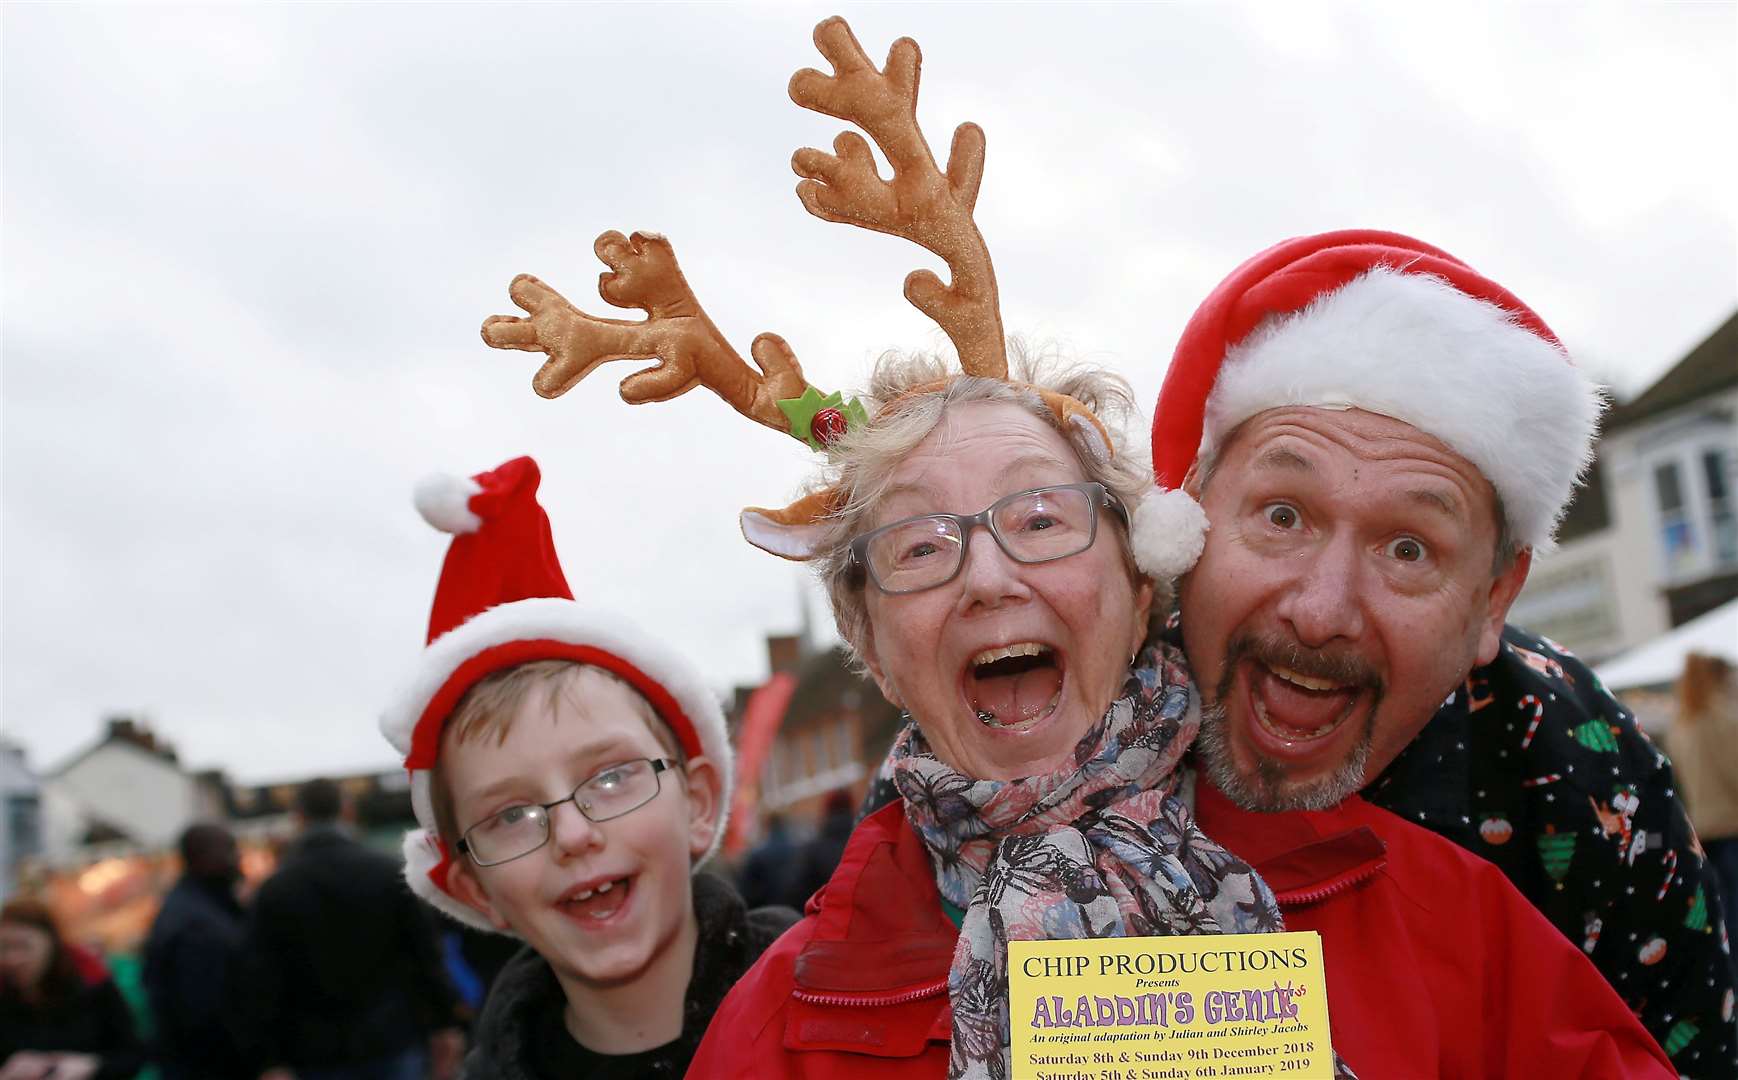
1164 1008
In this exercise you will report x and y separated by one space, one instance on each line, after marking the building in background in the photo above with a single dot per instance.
814 728
127 789
20 814
1652 541
111 816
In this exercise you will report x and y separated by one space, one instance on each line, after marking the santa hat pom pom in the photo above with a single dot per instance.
444 501
1167 533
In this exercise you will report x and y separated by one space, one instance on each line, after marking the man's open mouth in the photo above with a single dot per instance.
1295 707
598 903
1013 686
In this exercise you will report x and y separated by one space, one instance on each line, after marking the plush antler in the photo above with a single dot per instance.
921 203
676 332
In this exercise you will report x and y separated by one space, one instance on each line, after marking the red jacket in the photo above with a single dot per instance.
859 987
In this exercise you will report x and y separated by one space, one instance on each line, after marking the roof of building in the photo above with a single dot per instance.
129 732
1707 369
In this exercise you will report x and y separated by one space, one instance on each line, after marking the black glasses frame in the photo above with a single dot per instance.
1102 497
659 767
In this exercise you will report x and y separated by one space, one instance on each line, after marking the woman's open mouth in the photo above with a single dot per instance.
1013 687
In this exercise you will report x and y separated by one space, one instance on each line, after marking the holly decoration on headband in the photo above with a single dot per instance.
821 419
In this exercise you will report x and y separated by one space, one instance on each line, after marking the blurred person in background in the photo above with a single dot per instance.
1704 747
61 1015
818 858
341 977
189 954
768 874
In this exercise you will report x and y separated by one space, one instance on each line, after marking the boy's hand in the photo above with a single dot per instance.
30 1065
73 1067
446 1050
26 1065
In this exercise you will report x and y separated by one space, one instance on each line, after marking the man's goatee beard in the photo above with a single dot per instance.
1266 790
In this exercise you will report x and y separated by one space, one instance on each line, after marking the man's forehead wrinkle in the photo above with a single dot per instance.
1436 499
1371 436
1283 457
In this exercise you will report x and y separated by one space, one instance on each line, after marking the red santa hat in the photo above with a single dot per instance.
1385 323
502 601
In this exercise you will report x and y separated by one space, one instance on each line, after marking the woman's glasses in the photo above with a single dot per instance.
1030 527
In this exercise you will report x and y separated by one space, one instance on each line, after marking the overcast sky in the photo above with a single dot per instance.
247 251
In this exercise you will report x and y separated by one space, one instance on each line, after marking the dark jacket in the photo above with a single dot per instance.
768 875
340 963
526 992
89 1018
189 954
1534 767
820 856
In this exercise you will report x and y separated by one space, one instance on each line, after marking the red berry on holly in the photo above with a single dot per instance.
827 426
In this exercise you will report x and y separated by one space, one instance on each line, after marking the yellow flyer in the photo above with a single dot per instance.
1170 1008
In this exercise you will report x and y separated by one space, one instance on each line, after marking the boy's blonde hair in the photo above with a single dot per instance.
487 710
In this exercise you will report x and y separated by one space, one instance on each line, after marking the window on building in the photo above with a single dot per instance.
775 774
1677 536
814 754
24 825
845 742
1722 515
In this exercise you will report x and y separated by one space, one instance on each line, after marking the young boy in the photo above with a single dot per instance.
570 776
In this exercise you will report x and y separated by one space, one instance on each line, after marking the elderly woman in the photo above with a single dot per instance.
975 534
981 571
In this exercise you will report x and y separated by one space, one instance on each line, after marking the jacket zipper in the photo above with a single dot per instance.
1299 898
901 997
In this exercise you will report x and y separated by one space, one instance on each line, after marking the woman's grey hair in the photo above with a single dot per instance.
862 463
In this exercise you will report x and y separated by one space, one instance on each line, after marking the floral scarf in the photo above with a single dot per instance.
1103 848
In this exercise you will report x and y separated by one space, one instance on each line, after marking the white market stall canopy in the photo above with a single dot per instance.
1661 661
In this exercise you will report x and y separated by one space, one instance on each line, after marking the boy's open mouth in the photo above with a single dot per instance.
1014 686
597 903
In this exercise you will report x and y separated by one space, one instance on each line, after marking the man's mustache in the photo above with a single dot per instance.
1282 651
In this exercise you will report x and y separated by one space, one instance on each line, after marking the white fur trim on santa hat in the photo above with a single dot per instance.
1413 347
422 855
444 501
1167 533
554 619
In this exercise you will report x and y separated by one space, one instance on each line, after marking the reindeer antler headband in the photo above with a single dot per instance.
921 203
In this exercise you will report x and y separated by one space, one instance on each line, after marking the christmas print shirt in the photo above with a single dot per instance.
1534 766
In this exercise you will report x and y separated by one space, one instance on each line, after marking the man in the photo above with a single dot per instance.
343 978
768 874
1382 439
819 857
189 955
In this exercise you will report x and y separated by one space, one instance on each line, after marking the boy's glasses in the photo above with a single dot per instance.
1030 527
519 830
